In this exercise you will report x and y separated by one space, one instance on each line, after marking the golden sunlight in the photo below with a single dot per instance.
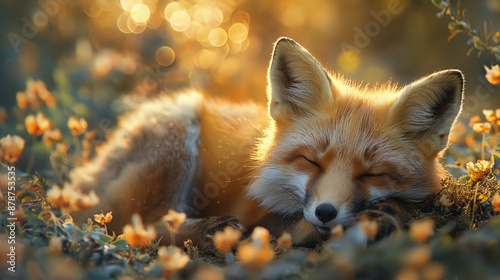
140 13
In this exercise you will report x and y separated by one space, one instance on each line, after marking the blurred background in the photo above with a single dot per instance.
90 52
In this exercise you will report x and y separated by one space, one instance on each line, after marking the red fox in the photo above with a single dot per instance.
325 152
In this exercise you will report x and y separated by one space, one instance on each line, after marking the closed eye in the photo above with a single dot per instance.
373 175
311 162
377 179
305 164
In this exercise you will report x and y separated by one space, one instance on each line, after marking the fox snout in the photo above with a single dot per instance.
325 212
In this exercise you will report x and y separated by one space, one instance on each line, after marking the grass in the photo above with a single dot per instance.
453 234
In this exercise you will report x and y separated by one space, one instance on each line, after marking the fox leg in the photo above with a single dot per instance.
389 216
149 163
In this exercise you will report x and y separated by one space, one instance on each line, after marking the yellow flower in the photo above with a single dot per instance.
69 198
3 114
285 241
56 197
103 219
479 170
336 232
475 119
493 74
254 255
370 227
11 148
173 220
445 200
493 116
225 240
495 202
45 94
37 125
84 201
52 136
171 259
135 233
22 100
261 234
77 126
482 127
422 230
258 252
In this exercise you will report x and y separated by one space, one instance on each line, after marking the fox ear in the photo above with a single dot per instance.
427 109
298 84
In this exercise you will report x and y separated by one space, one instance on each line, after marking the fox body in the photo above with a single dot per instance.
325 152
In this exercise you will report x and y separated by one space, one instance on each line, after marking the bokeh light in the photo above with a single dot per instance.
121 23
206 59
217 37
165 56
348 61
180 21
213 17
238 33
127 5
140 13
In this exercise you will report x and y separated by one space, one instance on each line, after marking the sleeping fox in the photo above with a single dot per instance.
325 152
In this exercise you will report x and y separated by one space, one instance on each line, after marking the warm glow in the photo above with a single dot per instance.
192 31
165 56
180 21
348 61
171 8
102 65
206 59
92 9
135 27
140 13
238 33
127 5
121 23
292 16
202 34
213 17
217 37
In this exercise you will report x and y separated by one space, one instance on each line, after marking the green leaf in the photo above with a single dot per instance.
477 43
100 238
121 243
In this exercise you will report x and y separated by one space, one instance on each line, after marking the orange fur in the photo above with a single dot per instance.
325 141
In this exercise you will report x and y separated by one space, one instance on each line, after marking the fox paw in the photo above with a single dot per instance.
214 224
377 224
219 223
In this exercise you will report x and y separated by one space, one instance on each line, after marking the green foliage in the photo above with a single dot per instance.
489 41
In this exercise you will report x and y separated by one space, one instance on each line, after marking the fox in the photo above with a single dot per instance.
326 151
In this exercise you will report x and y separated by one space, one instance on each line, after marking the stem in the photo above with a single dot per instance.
474 205
482 145
32 156
495 140
172 238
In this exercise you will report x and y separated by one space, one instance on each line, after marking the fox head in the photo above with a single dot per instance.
334 148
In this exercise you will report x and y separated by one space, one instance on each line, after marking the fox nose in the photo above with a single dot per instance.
326 212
